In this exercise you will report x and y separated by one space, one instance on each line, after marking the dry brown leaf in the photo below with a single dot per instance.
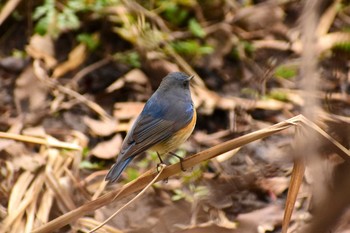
274 105
75 58
15 128
30 195
4 143
276 185
330 40
133 76
42 215
327 19
30 213
211 139
19 190
260 16
190 161
42 75
208 229
145 179
103 127
208 100
42 48
215 60
261 220
136 76
89 223
127 110
16 149
116 85
38 131
225 156
223 221
108 149
29 162
157 68
63 196
30 94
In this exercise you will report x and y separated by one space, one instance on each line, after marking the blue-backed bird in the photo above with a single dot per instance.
166 121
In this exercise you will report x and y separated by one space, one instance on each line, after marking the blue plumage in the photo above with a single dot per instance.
167 112
118 168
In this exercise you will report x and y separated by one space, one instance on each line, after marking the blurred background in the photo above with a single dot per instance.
80 71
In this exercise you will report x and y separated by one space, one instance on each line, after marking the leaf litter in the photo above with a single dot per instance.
50 125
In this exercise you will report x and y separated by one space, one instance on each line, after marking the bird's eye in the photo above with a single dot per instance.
185 84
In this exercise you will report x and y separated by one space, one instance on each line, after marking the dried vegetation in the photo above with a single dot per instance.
74 75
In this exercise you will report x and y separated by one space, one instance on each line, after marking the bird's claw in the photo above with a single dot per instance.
181 160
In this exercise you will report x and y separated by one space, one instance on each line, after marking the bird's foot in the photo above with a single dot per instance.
181 160
159 167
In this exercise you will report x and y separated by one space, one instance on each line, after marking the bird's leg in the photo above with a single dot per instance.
181 160
161 161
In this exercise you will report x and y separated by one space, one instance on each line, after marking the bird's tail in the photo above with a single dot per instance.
117 169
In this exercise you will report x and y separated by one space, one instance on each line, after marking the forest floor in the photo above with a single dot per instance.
67 99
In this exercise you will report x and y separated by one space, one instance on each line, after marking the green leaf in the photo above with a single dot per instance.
196 28
286 72
193 176
200 192
67 20
191 47
89 40
45 15
131 58
40 11
248 47
41 26
252 93
132 173
85 152
235 54
90 165
174 13
278 95
179 194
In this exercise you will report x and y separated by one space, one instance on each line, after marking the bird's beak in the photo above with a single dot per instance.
190 78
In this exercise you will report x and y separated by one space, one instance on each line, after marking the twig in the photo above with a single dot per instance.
188 162
89 69
134 6
295 183
42 141
131 201
142 182
9 7
41 74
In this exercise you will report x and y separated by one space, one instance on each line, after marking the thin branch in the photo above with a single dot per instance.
187 163
50 142
141 182
131 201
41 74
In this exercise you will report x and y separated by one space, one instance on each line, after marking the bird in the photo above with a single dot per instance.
166 121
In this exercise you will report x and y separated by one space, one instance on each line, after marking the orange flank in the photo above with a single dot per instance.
179 137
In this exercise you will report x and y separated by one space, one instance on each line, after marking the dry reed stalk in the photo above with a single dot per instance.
141 182
48 141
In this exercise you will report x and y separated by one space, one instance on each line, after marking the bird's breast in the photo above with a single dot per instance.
177 139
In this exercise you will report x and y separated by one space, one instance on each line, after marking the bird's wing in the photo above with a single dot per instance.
150 130
146 132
